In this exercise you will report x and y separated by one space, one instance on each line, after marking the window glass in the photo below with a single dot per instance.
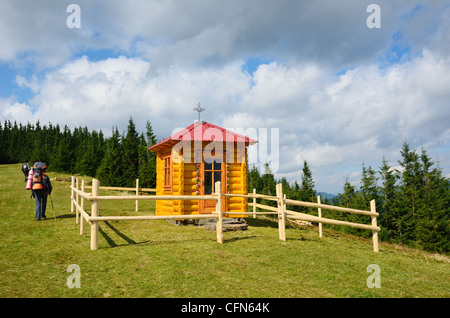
208 182
217 164
217 176
167 176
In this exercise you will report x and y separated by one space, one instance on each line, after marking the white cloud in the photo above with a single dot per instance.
14 111
354 118
171 32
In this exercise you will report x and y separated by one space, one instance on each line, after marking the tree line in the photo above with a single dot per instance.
117 160
413 199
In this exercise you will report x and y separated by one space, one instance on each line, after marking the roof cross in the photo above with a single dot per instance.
199 109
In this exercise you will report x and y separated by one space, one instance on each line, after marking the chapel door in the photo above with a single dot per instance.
211 172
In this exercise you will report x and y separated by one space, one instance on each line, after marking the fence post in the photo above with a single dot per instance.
320 215
94 213
374 223
72 204
219 224
254 203
137 193
76 200
281 213
82 208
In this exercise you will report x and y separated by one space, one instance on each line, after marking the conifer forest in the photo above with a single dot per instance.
413 198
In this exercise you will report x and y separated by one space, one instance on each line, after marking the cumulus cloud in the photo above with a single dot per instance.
326 120
334 33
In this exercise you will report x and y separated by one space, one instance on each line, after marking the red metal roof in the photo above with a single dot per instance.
204 132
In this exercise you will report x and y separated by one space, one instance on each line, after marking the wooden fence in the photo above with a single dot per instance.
78 197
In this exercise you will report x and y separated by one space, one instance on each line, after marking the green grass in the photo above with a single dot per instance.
158 259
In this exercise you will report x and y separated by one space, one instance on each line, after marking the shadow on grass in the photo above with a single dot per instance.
255 222
130 241
271 222
115 230
234 239
262 222
65 216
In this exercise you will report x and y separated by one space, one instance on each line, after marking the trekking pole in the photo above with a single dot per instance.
53 208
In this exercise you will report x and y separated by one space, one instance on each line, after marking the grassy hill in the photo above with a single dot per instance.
158 259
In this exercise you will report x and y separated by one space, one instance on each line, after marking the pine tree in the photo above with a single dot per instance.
81 137
268 185
254 180
110 170
388 197
285 187
347 196
85 164
130 155
150 135
345 199
432 230
360 200
38 152
268 181
369 187
2 145
151 140
145 175
307 191
295 194
409 199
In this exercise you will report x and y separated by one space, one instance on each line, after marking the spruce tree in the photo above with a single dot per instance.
150 135
110 170
151 140
347 195
369 187
38 150
307 191
361 198
254 180
268 185
130 155
145 177
388 194
432 226
2 147
408 201
268 181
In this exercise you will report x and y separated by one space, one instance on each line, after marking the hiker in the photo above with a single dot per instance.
26 169
41 188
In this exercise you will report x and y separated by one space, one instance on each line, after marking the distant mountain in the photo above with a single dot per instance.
329 196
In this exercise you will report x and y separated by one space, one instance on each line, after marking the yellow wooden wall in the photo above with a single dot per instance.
164 207
238 182
184 183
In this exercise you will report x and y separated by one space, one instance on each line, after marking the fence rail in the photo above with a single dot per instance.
79 195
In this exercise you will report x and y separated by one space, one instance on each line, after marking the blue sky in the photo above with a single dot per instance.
7 76
339 93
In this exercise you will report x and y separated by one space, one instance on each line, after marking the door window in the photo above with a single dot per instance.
213 173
